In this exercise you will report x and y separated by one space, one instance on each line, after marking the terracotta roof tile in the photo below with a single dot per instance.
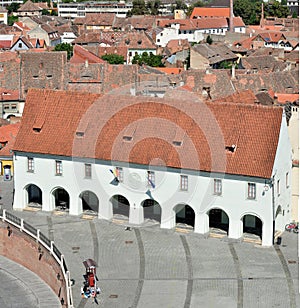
154 121
210 12
8 135
81 55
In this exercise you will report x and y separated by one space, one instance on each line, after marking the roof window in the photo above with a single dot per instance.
127 138
231 148
79 134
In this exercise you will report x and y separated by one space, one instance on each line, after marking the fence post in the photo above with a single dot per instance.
4 213
22 225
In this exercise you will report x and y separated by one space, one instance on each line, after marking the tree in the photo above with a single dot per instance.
153 7
148 59
13 7
113 58
277 10
209 40
179 5
11 20
192 6
138 8
249 10
65 47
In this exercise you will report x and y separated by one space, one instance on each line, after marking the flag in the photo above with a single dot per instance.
148 193
151 183
115 181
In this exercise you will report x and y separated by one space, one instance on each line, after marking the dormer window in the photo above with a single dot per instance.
79 134
127 138
177 143
230 148
37 129
139 42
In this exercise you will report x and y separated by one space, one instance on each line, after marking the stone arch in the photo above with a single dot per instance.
219 219
89 201
120 205
252 224
61 198
152 210
34 195
184 214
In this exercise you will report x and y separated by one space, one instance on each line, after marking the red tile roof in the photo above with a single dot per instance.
156 123
283 98
210 12
8 135
80 55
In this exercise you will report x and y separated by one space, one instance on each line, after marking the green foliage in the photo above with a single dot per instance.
45 12
192 6
65 47
113 58
225 65
209 40
179 5
148 59
153 7
277 10
11 20
138 8
250 10
13 7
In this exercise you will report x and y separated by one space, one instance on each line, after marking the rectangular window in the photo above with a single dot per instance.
151 179
184 182
278 187
251 191
120 174
58 167
30 164
88 170
287 180
217 186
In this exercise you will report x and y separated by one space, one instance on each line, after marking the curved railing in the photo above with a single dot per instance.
43 240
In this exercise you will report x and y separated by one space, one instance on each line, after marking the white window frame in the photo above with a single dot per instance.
218 185
58 168
184 183
251 193
88 171
30 164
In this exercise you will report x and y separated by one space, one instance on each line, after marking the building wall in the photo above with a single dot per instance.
200 195
282 176
293 130
197 61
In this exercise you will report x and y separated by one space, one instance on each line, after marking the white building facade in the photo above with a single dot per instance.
235 203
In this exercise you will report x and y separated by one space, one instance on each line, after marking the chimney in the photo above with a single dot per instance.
262 18
233 71
231 17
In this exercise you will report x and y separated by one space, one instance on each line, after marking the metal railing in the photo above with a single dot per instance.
43 240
